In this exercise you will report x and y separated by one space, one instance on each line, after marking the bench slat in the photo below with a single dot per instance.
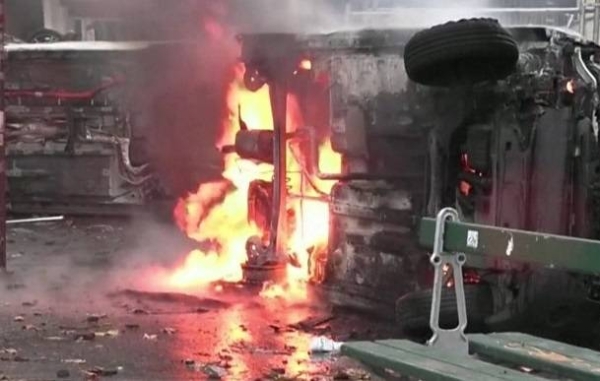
425 363
537 353
455 359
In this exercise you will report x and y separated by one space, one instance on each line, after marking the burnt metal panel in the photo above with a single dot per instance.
45 172
372 246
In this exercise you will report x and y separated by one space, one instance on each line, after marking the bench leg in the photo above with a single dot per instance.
448 339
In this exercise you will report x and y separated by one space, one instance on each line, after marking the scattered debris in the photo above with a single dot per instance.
150 337
214 372
63 373
102 372
55 338
169 331
352 374
289 348
324 344
87 336
34 220
190 364
95 318
74 361
20 359
312 322
244 347
109 333
8 351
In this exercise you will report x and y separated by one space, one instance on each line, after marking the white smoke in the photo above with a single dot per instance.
318 16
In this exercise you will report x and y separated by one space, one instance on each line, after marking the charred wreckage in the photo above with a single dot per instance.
500 123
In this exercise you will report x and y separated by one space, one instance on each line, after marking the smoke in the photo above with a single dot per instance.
317 16
183 85
182 91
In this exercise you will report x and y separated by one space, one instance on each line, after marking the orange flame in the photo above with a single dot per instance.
218 212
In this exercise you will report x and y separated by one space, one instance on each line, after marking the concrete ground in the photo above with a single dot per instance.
71 308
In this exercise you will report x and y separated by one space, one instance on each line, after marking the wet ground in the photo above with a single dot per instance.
71 308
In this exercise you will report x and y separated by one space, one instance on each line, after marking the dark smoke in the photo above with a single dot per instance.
182 89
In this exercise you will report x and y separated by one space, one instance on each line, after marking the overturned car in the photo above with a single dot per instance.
498 123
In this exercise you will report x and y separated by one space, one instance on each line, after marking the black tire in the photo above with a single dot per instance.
45 35
413 310
461 52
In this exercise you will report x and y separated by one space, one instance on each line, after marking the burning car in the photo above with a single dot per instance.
499 123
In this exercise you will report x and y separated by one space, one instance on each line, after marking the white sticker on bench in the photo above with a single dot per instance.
473 239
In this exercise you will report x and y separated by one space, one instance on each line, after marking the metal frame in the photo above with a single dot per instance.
451 239
447 339
272 58
585 12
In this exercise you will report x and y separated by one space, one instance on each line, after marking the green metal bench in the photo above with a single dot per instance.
450 354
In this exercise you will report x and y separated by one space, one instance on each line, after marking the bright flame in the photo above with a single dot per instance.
571 87
306 64
218 212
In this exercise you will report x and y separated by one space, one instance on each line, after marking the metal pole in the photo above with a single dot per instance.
35 220
388 11
2 153
582 17
596 33
278 95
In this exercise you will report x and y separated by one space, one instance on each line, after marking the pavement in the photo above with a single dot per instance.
77 304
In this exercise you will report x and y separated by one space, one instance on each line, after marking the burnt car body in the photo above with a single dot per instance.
71 142
520 151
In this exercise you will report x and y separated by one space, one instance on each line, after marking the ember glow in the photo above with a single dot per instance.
217 213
